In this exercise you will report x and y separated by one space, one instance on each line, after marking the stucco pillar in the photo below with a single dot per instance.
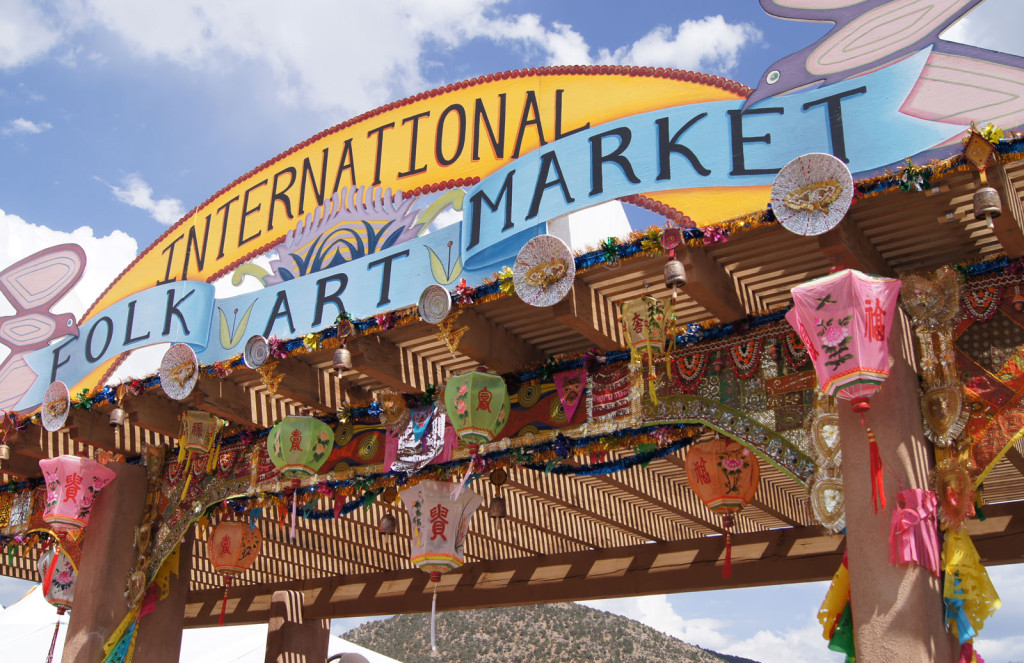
897 610
159 639
108 557
289 638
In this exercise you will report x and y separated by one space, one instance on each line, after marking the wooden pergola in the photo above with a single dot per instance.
566 537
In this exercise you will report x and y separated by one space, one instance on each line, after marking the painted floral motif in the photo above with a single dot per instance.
835 340
732 463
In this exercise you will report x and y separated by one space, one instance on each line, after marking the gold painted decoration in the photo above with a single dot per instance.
945 414
955 490
812 193
179 371
825 432
449 334
56 406
269 379
394 413
828 502
544 271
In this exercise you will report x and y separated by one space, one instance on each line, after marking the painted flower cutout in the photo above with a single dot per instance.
732 464
834 335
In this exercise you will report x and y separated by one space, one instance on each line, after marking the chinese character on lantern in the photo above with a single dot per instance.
71 487
438 522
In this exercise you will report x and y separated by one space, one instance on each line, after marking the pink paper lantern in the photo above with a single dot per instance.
844 320
71 487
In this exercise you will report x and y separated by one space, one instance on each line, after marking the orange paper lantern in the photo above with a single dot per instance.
725 475
233 547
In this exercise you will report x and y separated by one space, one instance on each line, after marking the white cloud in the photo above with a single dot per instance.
137 193
708 44
26 32
993 24
307 53
23 126
106 257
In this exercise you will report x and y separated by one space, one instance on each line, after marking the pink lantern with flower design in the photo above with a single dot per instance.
58 577
844 320
71 487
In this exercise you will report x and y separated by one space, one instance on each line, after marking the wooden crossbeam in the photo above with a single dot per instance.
226 400
846 246
708 284
155 413
22 467
1008 228
30 442
381 360
494 346
93 428
586 312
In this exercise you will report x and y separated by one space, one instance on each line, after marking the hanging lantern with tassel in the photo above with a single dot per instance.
71 487
844 321
478 405
57 577
298 447
647 323
232 548
439 514
199 432
725 475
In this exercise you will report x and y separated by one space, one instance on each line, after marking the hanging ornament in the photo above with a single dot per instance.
954 488
496 509
388 525
199 432
648 323
435 304
850 315
232 548
812 193
56 406
544 271
71 487
449 334
118 417
725 475
270 379
424 440
57 577
179 371
979 150
440 521
914 532
298 446
256 352
570 386
478 405
968 593
828 501
675 271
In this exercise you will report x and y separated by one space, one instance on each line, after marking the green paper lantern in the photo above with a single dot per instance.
478 405
299 445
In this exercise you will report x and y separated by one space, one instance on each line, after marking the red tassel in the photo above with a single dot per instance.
966 652
224 603
877 473
727 567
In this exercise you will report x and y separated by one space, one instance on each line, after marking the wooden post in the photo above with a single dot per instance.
108 557
897 610
289 638
159 639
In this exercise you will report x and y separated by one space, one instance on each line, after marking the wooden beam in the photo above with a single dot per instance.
584 311
30 442
155 413
1009 228
93 428
225 399
20 466
381 360
494 346
848 247
708 284
304 383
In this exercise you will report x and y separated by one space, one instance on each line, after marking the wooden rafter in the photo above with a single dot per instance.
587 312
1009 227
710 285
494 346
846 246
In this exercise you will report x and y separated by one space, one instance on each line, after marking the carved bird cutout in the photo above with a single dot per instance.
32 285
960 84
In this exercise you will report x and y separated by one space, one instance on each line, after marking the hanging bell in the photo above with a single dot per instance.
986 203
117 417
497 507
387 524
675 275
5 452
342 360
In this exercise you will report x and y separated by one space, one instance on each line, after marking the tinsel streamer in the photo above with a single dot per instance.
613 466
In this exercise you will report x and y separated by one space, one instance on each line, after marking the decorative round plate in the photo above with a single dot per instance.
544 271
56 405
435 304
179 370
812 193
256 351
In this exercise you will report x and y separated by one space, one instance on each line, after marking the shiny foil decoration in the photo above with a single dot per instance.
414 453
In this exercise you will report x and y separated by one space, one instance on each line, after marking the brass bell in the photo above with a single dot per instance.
675 275
118 417
496 508
387 524
342 360
986 204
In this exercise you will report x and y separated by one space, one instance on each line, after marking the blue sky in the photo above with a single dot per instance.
117 117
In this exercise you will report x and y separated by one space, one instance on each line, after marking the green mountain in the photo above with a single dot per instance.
553 633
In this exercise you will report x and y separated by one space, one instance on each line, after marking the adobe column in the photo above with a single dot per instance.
289 637
897 610
159 639
108 557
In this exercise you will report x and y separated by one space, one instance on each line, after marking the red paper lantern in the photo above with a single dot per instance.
232 548
725 475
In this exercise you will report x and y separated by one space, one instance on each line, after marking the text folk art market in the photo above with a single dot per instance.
438 388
